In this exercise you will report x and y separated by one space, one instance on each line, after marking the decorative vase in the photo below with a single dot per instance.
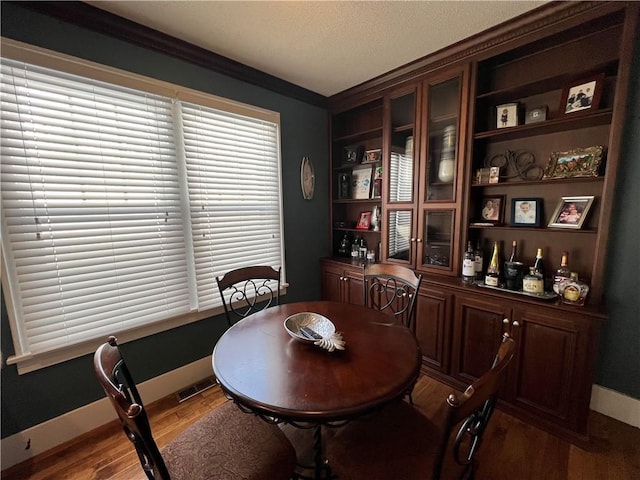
446 170
375 219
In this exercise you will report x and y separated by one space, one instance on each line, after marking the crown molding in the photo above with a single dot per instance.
92 18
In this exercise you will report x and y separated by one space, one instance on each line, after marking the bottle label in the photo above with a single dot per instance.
558 280
468 268
491 281
531 284
571 293
478 263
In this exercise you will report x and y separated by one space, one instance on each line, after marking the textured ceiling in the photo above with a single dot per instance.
323 46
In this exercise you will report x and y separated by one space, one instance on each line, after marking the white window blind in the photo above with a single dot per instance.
91 206
120 206
234 194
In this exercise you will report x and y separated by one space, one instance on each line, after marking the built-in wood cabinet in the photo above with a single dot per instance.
422 208
431 207
342 282
432 328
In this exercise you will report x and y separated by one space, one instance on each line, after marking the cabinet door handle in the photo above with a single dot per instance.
412 239
505 321
418 240
515 323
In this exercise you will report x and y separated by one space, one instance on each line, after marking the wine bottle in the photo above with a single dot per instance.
492 278
514 252
538 266
468 265
562 273
478 261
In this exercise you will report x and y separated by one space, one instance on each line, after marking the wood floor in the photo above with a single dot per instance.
512 450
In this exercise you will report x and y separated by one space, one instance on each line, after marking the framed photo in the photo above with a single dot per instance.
526 212
372 156
571 212
352 154
494 174
582 95
537 114
579 162
507 114
364 221
361 182
492 209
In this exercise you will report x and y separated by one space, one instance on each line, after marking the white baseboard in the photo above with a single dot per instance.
56 431
615 405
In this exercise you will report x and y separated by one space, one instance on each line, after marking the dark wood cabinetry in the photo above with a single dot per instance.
342 282
428 218
433 327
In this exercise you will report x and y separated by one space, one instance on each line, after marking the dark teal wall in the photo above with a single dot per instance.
619 361
38 396
29 399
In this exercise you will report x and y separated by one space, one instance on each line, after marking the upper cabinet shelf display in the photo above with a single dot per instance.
557 93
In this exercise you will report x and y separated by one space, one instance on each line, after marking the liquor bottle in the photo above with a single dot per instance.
492 278
345 246
478 261
538 266
533 283
514 252
562 274
468 265
574 291
513 269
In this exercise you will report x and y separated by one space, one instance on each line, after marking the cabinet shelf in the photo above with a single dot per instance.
356 230
358 200
547 181
566 123
543 85
534 229
363 135
403 128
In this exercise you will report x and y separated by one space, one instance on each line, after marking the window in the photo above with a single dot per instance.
120 205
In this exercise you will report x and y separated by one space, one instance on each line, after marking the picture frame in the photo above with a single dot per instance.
579 162
537 114
492 209
526 212
364 220
352 155
583 95
372 156
361 182
507 115
571 212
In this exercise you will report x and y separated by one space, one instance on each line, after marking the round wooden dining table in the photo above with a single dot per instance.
266 371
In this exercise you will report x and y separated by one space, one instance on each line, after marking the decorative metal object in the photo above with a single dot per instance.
522 163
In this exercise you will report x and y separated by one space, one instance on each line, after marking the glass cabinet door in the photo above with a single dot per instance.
439 203
400 194
437 235
443 106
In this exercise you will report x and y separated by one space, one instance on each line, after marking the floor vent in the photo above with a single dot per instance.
195 389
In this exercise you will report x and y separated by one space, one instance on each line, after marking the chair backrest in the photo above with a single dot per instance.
392 289
250 289
121 390
472 411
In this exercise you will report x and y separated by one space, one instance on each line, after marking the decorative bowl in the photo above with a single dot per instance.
316 322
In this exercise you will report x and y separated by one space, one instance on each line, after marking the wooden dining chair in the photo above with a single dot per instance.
392 289
402 442
225 444
247 290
